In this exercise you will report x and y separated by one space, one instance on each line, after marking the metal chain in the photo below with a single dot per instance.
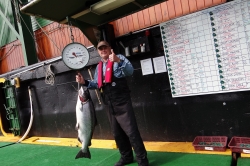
71 33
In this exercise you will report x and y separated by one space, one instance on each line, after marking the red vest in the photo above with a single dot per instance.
108 73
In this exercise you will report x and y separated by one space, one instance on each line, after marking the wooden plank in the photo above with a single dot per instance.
9 64
116 28
2 62
178 8
62 29
38 46
208 3
192 6
17 57
3 66
79 36
46 45
51 40
6 58
20 53
130 23
68 35
20 56
42 55
11 56
185 7
47 50
158 12
135 21
164 12
200 4
141 19
152 15
18 60
58 38
84 40
119 27
57 41
171 9
125 25
10 59
146 17
217 2
6 66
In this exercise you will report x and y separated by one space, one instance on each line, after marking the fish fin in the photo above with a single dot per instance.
79 139
82 154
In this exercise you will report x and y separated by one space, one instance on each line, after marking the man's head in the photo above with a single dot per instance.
104 49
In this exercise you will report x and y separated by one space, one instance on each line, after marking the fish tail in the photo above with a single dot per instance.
82 154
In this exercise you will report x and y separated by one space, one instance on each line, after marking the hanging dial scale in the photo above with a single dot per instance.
75 56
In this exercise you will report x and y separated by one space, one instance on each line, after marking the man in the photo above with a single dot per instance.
110 76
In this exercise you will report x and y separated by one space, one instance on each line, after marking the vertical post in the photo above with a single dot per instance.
26 35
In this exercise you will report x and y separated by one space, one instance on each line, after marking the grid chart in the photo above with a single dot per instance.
208 51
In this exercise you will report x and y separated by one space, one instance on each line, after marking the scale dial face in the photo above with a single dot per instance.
75 56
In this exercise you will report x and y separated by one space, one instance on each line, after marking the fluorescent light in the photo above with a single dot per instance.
105 6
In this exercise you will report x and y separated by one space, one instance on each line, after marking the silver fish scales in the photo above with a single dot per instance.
85 121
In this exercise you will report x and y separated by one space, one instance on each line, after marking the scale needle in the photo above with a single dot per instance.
73 53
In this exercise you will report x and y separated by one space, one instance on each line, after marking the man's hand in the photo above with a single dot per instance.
113 57
79 78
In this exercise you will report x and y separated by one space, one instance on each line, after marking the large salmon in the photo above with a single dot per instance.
85 121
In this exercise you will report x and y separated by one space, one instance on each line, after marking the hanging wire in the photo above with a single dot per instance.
76 32
8 46
70 28
60 27
6 54
46 34
31 33
33 38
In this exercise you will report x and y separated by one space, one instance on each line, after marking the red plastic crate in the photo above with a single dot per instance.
240 144
211 143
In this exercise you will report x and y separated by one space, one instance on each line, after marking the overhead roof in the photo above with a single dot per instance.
85 14
93 12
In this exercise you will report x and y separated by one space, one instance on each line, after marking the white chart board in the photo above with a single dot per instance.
209 51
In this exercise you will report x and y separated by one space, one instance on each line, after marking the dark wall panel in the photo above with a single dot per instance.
160 117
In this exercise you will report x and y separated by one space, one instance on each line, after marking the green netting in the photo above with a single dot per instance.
243 162
43 155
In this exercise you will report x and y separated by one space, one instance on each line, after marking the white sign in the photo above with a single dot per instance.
209 148
146 66
159 64
246 151
209 51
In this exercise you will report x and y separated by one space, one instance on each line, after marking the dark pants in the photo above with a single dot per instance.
125 130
